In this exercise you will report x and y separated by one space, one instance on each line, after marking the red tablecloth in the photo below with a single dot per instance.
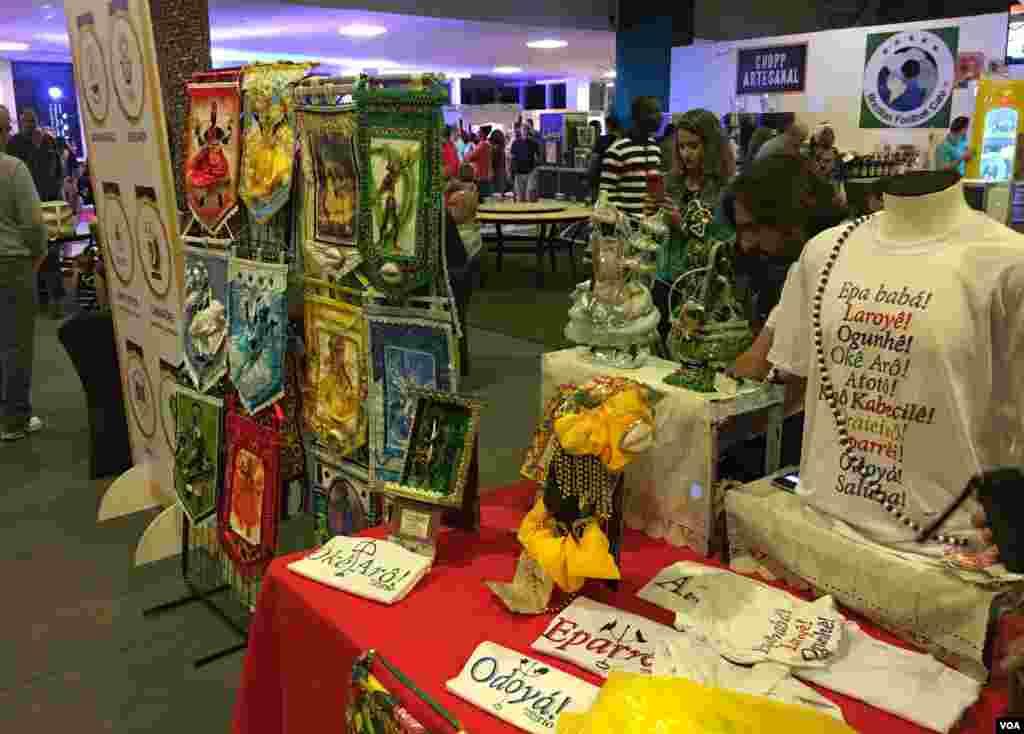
305 636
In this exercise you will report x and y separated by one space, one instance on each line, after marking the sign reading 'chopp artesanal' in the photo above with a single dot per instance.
909 78
773 69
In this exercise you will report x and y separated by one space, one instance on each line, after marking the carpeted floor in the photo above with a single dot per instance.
511 303
76 654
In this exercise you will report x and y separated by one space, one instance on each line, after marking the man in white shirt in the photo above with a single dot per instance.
788 143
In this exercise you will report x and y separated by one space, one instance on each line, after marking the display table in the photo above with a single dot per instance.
668 489
305 636
547 220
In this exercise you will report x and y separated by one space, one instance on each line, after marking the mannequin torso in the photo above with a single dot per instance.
923 217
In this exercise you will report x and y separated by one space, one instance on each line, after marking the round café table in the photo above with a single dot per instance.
547 215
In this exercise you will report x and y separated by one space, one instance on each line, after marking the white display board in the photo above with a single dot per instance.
122 107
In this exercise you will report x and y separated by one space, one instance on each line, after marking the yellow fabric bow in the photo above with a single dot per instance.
599 431
569 562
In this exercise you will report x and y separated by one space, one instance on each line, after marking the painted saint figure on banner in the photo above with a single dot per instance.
336 193
405 369
208 169
339 400
247 496
395 170
346 514
206 325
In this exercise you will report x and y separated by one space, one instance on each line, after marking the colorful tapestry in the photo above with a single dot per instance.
336 364
293 455
331 191
373 710
399 138
268 122
343 503
205 319
198 452
213 147
405 353
250 503
258 331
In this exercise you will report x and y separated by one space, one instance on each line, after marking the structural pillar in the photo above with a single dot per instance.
549 96
643 62
455 91
182 32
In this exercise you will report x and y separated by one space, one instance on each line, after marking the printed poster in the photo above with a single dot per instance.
124 120
909 78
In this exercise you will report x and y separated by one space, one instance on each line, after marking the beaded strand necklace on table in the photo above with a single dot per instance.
829 389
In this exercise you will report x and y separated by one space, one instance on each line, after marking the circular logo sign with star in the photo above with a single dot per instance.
909 79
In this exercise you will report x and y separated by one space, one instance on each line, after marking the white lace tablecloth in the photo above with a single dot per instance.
668 489
774 534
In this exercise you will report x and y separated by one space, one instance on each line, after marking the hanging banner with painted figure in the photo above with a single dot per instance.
909 78
213 142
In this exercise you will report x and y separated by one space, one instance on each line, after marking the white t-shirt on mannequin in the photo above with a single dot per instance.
923 337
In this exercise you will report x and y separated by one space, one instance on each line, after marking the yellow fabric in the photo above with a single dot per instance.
568 562
599 431
268 160
633 703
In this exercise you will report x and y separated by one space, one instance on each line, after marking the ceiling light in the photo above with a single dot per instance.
547 43
56 93
61 38
542 82
507 70
609 74
13 46
362 31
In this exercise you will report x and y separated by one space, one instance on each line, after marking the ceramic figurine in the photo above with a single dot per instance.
614 313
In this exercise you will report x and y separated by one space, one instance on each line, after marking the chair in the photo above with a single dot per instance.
89 340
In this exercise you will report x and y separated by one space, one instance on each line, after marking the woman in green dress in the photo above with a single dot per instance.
702 166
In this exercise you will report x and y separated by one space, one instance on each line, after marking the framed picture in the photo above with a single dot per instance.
345 505
399 142
331 191
250 502
440 450
197 455
336 374
404 353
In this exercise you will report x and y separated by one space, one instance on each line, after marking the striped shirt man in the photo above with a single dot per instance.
624 172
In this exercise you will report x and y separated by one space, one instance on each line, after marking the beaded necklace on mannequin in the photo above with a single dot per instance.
829 390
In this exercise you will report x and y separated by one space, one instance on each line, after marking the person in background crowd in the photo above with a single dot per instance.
499 161
85 186
449 154
789 143
758 138
775 208
483 163
531 131
702 166
596 127
630 159
524 161
22 249
613 131
89 288
953 153
463 244
824 160
461 143
39 152
667 145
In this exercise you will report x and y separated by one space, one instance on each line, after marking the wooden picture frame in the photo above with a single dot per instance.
250 503
331 190
199 442
441 449
399 141
336 399
404 353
